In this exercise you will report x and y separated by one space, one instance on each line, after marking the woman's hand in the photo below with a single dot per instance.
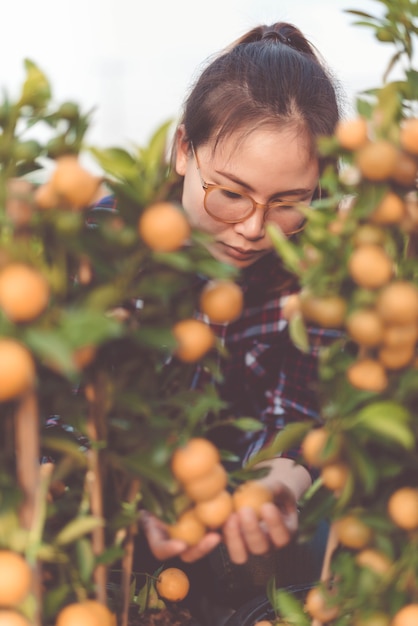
245 534
163 547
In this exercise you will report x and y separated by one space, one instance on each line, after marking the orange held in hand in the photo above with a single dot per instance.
24 292
196 458
172 584
188 528
164 227
251 494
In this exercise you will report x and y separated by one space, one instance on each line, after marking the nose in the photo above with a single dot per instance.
253 228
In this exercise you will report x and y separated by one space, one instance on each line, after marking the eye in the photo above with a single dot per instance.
229 194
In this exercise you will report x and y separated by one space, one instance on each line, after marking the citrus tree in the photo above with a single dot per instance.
357 265
98 342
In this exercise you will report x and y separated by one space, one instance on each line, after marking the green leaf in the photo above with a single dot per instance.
77 528
287 251
287 438
291 608
247 424
35 90
298 332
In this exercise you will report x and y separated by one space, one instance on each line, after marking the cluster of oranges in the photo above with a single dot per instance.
204 480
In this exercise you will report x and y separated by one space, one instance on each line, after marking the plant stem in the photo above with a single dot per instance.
127 560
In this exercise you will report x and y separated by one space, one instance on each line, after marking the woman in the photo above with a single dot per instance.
246 149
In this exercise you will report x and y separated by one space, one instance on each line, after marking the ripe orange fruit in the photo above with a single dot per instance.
163 227
24 292
15 578
73 184
377 159
17 369
251 494
365 327
263 622
370 266
406 616
46 197
187 528
352 532
405 170
84 613
352 134
104 614
377 561
327 311
172 584
403 508
335 475
214 513
408 136
367 374
399 335
314 444
221 300
207 486
194 339
390 210
8 617
318 607
397 303
397 357
196 458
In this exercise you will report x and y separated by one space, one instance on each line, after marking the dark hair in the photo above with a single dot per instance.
270 76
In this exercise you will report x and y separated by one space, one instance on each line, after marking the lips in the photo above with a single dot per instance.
240 253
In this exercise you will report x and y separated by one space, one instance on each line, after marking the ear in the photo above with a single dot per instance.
182 151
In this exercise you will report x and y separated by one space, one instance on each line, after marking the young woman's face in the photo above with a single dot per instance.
269 166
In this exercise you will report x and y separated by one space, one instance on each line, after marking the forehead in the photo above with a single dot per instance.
263 155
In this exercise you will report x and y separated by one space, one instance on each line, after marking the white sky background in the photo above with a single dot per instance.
133 60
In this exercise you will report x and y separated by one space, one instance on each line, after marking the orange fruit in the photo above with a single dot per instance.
187 528
365 327
403 508
207 486
370 266
222 301
368 374
335 475
352 532
196 458
397 357
398 335
397 303
406 616
8 617
263 622
172 584
213 513
377 561
327 311
15 578
17 369
104 614
408 136
390 210
405 171
377 159
369 234
194 339
314 444
24 292
81 613
164 227
73 184
46 197
251 494
352 134
318 607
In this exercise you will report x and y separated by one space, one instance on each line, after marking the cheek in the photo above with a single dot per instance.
192 201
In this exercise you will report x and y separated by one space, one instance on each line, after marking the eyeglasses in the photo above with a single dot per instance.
231 207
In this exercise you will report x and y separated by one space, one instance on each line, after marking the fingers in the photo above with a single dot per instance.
158 539
205 545
280 527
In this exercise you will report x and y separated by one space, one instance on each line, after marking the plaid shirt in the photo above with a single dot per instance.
266 376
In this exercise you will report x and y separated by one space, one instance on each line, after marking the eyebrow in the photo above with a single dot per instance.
286 192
